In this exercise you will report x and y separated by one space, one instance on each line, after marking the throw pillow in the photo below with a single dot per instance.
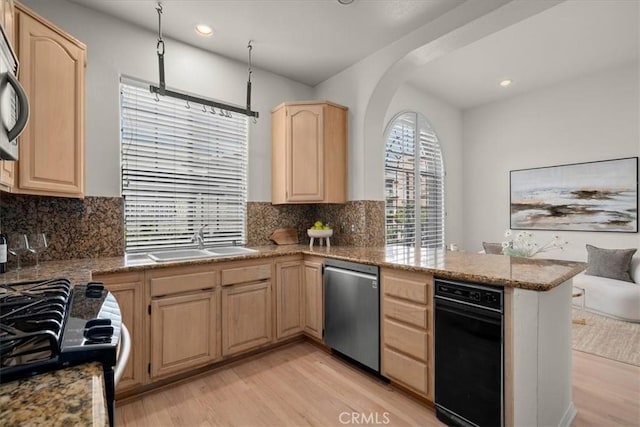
610 263
492 248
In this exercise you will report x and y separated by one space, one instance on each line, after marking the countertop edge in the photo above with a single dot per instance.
108 265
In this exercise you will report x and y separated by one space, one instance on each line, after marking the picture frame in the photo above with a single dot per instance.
590 196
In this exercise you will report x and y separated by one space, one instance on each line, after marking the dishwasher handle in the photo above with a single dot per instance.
351 273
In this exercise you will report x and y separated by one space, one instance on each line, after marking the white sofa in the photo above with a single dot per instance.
611 297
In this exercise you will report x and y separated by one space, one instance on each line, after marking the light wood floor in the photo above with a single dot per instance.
300 385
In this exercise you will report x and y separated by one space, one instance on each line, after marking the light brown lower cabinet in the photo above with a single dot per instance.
184 332
184 319
406 330
128 289
246 317
313 298
289 299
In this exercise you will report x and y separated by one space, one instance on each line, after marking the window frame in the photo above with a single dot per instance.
167 203
427 169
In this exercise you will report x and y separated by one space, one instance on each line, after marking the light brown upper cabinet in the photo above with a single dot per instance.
7 8
309 153
51 156
6 175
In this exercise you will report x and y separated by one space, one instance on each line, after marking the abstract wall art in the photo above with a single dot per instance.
593 196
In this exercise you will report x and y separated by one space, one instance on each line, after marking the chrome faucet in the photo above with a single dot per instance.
198 237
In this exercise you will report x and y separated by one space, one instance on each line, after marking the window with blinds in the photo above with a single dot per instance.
414 183
183 167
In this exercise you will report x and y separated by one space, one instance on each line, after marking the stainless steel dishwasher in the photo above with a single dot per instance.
352 311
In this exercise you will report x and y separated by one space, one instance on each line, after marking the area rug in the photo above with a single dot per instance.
606 337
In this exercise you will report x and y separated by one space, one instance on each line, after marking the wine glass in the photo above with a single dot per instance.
37 243
17 246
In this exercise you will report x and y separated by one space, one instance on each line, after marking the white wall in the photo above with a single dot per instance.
447 123
587 119
115 48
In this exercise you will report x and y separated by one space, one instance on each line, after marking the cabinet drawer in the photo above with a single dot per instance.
251 273
406 370
407 339
410 286
414 314
181 283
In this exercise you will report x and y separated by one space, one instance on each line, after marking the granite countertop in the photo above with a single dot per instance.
527 273
68 397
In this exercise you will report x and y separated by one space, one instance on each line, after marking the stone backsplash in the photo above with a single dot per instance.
356 223
76 228
94 227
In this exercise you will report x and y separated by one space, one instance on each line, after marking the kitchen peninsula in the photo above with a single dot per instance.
537 309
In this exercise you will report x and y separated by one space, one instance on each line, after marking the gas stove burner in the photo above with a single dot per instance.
49 324
32 315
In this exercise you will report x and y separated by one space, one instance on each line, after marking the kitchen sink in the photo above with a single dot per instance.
184 254
180 254
231 250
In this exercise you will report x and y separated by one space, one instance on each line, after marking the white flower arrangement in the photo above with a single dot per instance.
524 245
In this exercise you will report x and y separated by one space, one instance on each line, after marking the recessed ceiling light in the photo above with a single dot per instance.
506 83
203 30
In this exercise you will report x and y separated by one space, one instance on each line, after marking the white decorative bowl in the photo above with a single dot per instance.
319 233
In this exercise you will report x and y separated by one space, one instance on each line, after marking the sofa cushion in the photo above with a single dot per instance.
492 248
610 263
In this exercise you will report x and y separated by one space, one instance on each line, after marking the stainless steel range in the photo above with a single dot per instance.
49 325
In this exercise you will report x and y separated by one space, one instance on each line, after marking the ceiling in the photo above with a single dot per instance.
571 39
312 40
304 40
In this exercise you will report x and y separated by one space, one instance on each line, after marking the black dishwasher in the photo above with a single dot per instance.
469 360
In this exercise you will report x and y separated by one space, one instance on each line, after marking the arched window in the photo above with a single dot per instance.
414 183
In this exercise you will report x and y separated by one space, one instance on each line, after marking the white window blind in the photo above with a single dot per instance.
182 168
414 184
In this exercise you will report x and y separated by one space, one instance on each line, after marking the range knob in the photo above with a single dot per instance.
97 322
94 290
98 333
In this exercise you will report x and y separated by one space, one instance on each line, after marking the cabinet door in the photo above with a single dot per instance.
6 175
289 314
6 19
183 332
246 317
128 291
305 153
51 157
313 304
